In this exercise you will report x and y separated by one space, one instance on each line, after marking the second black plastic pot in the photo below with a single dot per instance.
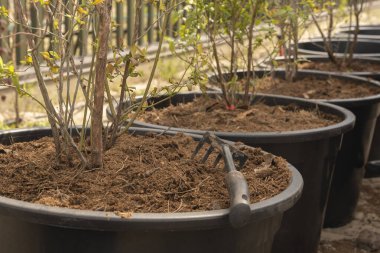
312 151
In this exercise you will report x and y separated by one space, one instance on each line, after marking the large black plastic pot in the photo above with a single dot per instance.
364 47
34 228
313 152
356 145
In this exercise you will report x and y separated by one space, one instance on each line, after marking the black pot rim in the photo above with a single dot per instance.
352 102
371 26
97 220
306 57
345 34
344 31
336 39
277 137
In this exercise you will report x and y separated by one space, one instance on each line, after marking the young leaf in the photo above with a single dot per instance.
45 55
82 11
1 64
44 2
55 55
96 2
55 24
4 11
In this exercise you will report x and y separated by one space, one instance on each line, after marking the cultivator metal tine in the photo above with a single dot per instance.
207 154
198 147
217 159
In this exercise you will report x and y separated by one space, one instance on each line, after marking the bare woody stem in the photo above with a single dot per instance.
126 74
104 10
211 35
250 50
326 42
54 119
357 11
155 63
40 80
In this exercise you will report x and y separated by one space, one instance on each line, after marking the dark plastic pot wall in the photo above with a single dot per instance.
364 47
34 228
312 151
374 153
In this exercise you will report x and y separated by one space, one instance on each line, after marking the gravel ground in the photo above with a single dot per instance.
362 235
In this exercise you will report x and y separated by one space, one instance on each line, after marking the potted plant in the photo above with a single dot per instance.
227 21
38 227
333 46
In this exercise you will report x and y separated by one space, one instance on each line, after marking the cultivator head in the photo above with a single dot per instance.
224 150
240 210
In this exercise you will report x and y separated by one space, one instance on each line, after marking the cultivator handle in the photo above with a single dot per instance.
240 211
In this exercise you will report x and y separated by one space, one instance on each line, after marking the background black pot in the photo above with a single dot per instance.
365 32
364 47
354 153
323 58
312 151
34 228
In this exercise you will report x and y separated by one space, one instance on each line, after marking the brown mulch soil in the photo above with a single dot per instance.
206 113
356 65
140 174
313 88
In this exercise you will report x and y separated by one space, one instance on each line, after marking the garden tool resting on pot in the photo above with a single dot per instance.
240 210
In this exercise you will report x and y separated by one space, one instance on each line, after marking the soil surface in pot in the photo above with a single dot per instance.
362 235
314 88
206 113
141 174
356 65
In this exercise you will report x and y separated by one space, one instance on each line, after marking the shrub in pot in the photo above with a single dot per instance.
332 46
37 227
